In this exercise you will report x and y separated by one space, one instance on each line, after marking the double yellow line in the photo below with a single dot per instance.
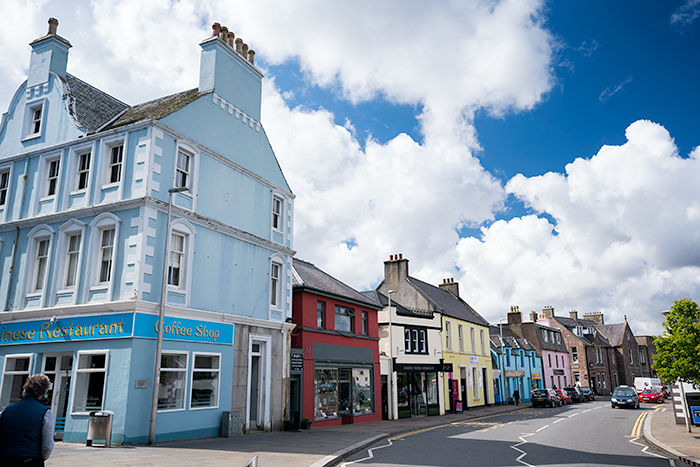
637 428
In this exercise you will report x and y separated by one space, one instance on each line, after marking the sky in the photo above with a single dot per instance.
541 153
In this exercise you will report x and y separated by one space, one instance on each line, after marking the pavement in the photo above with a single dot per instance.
325 447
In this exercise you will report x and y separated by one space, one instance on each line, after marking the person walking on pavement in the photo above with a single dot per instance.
26 427
516 397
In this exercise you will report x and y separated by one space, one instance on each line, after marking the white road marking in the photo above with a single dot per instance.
588 410
523 453
599 407
633 441
559 420
370 454
542 428
573 415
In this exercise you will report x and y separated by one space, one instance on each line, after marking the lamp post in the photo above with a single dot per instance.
161 319
391 360
503 362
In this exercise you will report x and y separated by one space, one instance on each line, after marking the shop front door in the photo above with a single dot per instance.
58 367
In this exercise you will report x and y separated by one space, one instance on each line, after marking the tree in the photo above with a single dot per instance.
678 349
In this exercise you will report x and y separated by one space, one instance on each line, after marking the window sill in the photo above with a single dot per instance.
31 137
47 198
65 291
171 410
107 186
204 408
34 294
78 192
99 287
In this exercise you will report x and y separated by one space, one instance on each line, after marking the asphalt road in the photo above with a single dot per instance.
587 434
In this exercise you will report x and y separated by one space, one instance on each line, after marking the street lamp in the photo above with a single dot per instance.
391 359
161 319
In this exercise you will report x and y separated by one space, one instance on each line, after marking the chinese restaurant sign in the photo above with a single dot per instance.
113 326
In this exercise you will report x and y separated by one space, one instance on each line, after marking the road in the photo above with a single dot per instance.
587 434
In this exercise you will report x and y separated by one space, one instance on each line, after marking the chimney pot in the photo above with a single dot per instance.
533 316
391 257
53 25
239 45
215 29
230 38
573 314
244 52
251 57
400 255
224 33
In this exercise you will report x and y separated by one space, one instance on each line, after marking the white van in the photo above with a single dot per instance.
640 384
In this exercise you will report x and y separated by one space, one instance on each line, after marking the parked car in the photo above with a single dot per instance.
588 394
575 393
564 396
624 396
545 398
651 395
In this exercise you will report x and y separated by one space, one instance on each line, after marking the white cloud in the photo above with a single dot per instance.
686 13
626 238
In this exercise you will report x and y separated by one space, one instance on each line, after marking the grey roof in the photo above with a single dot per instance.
588 339
89 106
155 109
384 301
509 339
309 277
614 333
449 304
549 344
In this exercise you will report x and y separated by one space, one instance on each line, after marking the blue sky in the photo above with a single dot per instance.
539 152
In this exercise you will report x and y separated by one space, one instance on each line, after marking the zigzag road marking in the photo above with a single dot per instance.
370 454
522 453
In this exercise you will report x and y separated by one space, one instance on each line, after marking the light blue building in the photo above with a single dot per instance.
518 363
84 192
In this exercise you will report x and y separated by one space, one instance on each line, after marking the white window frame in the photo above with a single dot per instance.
483 342
179 171
52 181
205 370
277 213
28 372
472 337
574 354
5 169
28 131
104 221
103 163
77 154
77 372
187 230
72 227
111 165
460 336
186 372
104 248
448 335
37 234
275 285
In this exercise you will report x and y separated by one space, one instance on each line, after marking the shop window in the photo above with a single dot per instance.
205 381
344 319
90 379
362 391
173 381
320 314
15 373
325 393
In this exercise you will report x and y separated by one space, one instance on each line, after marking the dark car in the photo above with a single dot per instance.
545 398
624 396
575 393
588 394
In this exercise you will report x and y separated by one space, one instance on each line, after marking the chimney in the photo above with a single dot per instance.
596 316
548 312
395 271
251 57
49 55
573 314
533 316
515 320
230 73
53 26
451 286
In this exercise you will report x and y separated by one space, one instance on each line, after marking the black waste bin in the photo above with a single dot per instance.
693 400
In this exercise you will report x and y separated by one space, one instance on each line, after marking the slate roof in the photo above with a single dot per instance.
509 339
587 339
89 106
155 109
447 303
549 345
308 277
614 333
384 301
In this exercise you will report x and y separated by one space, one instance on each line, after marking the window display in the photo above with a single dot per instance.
326 393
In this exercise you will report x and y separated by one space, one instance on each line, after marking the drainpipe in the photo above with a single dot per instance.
14 246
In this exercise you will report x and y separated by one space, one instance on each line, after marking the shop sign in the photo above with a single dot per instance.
559 372
418 367
183 329
496 374
296 362
473 359
537 375
67 329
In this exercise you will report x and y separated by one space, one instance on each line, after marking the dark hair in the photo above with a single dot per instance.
36 386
